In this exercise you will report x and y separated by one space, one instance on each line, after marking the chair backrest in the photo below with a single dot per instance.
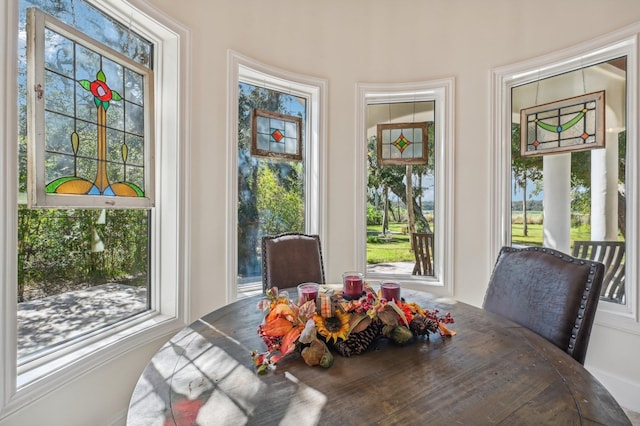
549 292
612 254
290 259
423 250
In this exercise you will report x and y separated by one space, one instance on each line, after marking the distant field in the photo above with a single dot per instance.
533 217
535 237
396 247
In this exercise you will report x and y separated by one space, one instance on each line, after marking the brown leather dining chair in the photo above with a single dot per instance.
549 292
290 259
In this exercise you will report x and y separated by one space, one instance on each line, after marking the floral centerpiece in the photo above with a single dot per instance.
349 326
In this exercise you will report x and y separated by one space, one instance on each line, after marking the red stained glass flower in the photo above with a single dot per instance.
102 93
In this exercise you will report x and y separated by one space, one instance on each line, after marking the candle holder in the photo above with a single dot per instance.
306 292
353 283
390 290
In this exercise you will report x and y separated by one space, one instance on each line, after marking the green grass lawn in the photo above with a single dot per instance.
534 237
396 248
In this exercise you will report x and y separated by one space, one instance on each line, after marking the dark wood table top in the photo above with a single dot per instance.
492 372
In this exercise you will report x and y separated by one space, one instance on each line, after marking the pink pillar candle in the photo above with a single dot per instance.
353 283
390 290
306 292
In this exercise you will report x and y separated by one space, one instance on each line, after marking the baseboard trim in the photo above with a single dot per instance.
627 393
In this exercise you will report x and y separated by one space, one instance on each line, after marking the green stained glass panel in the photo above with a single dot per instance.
573 124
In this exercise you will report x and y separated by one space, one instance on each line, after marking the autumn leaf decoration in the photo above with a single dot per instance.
348 326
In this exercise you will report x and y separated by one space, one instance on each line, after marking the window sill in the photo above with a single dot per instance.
617 318
40 376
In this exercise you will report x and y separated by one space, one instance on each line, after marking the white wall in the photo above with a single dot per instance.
347 42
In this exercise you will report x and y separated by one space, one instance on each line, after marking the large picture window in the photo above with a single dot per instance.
73 262
271 171
277 129
401 186
84 282
406 144
575 191
575 194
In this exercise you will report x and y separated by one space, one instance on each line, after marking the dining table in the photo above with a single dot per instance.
492 371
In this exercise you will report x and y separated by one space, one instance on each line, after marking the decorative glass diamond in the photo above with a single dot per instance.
401 143
276 135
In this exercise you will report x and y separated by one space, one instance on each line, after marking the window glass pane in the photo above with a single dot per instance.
80 269
271 189
390 224
559 199
89 20
64 103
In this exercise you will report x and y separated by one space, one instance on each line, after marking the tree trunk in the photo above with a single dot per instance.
419 197
400 190
385 214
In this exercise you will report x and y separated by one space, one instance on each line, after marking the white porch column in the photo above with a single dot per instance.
604 190
557 201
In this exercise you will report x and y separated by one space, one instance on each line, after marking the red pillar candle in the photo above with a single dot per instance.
390 290
306 292
353 283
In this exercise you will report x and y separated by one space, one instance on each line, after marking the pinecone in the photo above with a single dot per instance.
421 325
358 342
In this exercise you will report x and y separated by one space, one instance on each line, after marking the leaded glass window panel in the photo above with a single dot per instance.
574 124
91 120
276 135
402 143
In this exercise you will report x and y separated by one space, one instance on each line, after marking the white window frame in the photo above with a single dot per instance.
621 43
314 91
442 92
22 384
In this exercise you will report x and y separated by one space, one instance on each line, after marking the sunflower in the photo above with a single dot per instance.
333 327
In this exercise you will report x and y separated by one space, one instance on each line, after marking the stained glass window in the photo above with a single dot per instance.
276 135
402 143
90 115
574 124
